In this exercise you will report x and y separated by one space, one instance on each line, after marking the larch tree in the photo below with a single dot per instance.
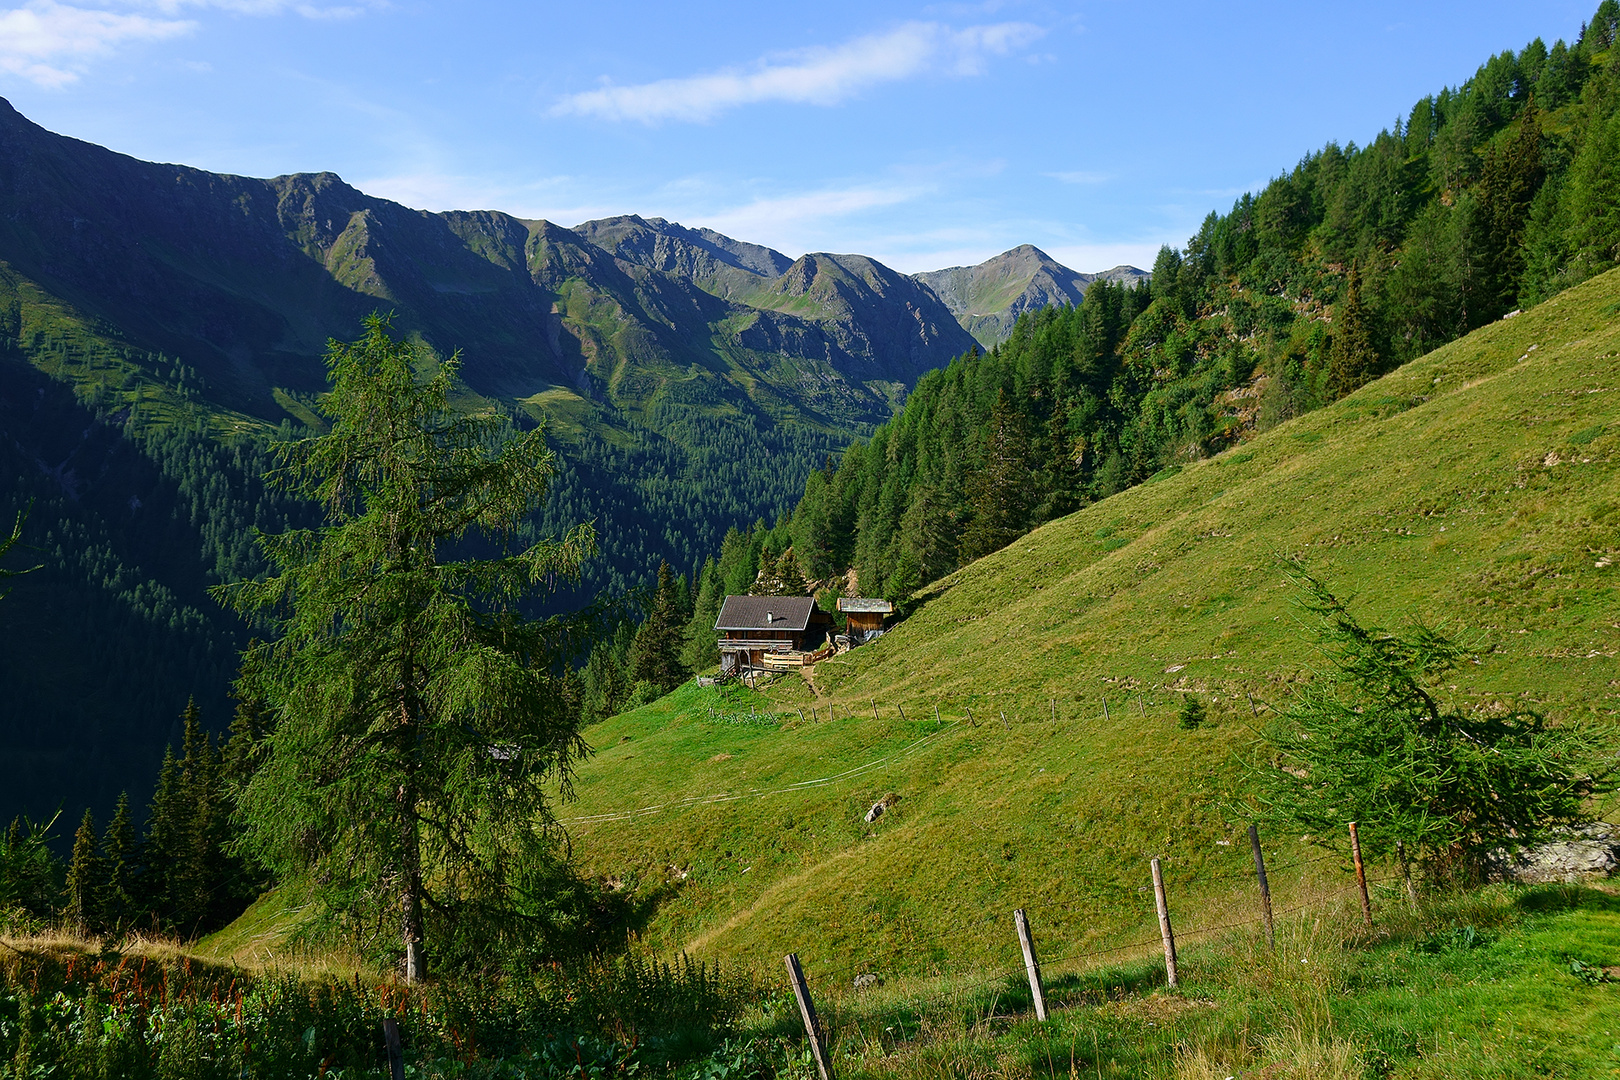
1373 740
419 730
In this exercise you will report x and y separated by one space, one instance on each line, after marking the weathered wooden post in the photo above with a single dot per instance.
874 707
801 714
1106 717
1005 726
807 1009
1265 886
1252 708
1031 966
902 709
971 722
1141 705
1172 978
937 720
1361 876
396 1057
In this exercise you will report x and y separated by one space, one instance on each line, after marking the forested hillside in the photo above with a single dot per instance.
1489 197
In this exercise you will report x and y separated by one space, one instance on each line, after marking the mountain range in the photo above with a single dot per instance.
157 322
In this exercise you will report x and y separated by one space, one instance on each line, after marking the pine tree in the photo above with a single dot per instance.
1352 360
120 856
85 880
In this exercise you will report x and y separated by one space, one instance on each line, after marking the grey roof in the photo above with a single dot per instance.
765 613
862 603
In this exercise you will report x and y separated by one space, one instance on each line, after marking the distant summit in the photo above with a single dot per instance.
988 298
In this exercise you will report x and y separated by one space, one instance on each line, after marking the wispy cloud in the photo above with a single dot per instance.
791 214
1079 177
50 44
53 44
821 76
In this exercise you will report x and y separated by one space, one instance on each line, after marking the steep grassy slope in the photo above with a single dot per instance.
1479 486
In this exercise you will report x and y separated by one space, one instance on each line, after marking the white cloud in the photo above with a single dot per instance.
821 76
788 216
50 43
1080 177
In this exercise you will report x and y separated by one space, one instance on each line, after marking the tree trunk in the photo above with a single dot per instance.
411 893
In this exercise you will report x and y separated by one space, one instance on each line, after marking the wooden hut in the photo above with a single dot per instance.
864 617
781 627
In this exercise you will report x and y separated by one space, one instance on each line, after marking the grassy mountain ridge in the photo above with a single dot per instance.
988 298
1478 486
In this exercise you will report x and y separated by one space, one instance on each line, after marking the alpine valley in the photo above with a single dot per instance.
158 323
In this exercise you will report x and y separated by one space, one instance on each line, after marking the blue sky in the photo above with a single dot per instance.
923 134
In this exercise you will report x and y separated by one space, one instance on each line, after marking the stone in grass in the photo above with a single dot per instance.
866 979
880 806
1577 854
1192 713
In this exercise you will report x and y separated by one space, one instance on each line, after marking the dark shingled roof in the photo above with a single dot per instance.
756 613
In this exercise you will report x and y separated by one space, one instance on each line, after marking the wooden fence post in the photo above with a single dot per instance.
1361 876
807 1009
1252 708
1265 886
937 720
1004 723
902 709
1031 967
971 722
874 707
1141 705
396 1058
1106 718
801 714
1172 978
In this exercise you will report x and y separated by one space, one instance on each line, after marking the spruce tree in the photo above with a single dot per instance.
198 870
999 491
120 856
85 880
701 644
163 847
421 730
655 656
1352 360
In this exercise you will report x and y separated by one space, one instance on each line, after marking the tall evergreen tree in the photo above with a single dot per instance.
120 856
421 727
1353 360
700 647
999 491
655 655
164 847
85 879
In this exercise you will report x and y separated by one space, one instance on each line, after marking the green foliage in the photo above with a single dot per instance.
29 872
1192 714
86 878
1371 741
655 653
111 1017
419 722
